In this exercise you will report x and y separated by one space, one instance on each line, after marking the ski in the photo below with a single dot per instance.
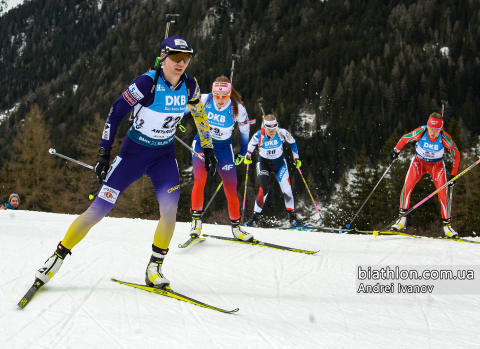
191 241
332 229
453 239
299 228
392 232
261 243
389 232
168 292
30 293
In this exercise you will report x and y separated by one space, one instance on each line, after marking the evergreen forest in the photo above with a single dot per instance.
347 78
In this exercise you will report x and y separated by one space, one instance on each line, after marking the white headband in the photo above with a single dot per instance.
271 123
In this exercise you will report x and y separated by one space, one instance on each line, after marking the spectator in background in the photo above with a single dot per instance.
2 205
13 201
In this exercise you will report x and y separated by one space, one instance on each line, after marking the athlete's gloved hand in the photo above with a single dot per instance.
297 163
210 161
394 154
102 164
451 185
238 159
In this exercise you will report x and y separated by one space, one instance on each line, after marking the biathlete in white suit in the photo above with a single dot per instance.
224 109
270 141
159 99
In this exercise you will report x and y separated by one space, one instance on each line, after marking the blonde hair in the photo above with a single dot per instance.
436 116
235 96
270 117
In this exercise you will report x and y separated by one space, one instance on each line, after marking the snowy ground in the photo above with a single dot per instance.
286 299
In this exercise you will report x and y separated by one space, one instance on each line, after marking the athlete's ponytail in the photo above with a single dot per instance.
235 96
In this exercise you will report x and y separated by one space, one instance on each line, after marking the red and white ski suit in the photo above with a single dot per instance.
427 161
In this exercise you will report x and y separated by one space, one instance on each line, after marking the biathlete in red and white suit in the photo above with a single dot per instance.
224 109
270 141
430 148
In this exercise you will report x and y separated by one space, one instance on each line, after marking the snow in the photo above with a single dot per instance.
11 4
6 114
286 299
307 124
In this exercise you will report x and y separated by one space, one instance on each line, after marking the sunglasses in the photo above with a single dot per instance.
178 56
271 127
220 96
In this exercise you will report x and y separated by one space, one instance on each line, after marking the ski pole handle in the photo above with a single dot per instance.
54 152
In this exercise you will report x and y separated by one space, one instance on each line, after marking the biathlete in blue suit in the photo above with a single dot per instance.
159 99
224 109
270 141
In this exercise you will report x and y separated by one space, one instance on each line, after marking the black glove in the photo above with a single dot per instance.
394 154
102 164
451 185
210 161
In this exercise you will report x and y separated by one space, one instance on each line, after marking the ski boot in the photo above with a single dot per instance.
53 264
401 223
254 221
153 274
196 226
447 228
239 233
294 221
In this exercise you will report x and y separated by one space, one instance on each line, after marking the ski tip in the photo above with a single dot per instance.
233 311
375 233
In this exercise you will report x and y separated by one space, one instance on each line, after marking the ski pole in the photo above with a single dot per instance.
189 148
216 191
348 225
375 232
54 152
304 181
245 193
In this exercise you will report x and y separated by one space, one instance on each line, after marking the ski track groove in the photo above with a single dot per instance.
427 322
100 325
201 325
304 333
267 340
60 336
26 325
280 271
449 318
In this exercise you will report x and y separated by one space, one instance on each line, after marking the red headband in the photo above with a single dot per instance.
435 124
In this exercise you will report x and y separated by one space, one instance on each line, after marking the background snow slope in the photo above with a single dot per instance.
286 300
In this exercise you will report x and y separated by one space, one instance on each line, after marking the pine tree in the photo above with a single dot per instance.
35 174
